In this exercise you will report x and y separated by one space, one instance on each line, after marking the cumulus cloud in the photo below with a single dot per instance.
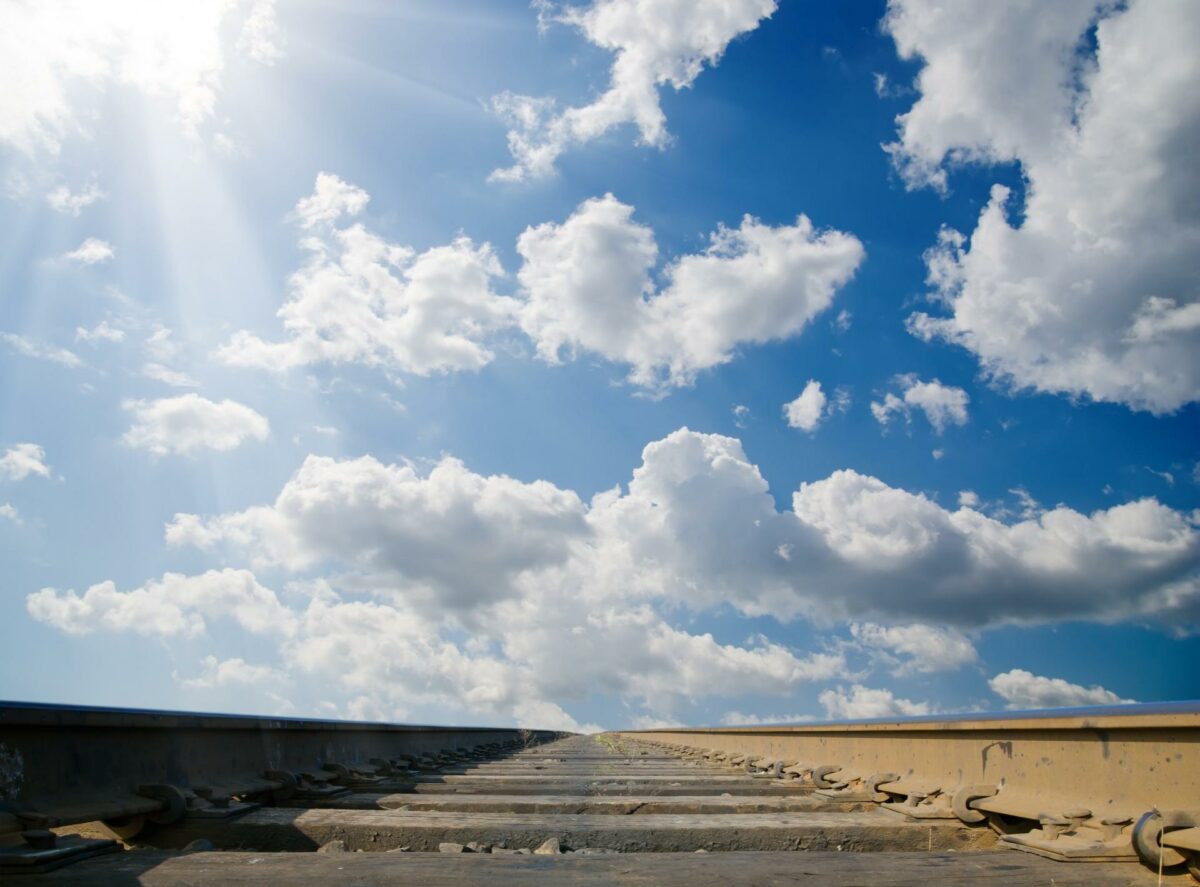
360 298
223 673
59 56
488 594
906 649
655 43
173 606
588 288
865 702
10 513
27 347
1023 689
552 605
22 460
942 404
190 422
697 524
1092 293
807 410
331 199
450 538
585 286
62 199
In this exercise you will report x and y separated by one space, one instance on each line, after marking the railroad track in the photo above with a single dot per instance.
94 796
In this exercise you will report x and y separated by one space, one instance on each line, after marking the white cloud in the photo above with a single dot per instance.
260 38
172 606
102 332
698 525
62 199
865 702
326 430
924 648
227 672
586 285
92 251
1093 294
8 512
190 422
22 460
60 57
655 42
1028 507
807 410
497 597
588 288
515 563
742 719
968 499
741 415
168 376
160 345
163 350
449 539
362 299
1165 476
331 199
40 350
540 714
1022 689
942 404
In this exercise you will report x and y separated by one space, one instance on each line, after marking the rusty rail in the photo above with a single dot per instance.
62 765
1112 783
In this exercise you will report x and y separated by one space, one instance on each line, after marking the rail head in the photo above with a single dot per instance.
1182 715
51 715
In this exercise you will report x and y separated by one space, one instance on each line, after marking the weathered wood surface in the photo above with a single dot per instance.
374 830
639 805
993 868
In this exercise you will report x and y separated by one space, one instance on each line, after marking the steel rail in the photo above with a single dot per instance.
62 765
1078 784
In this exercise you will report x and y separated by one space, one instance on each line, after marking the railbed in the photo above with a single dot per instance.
1085 796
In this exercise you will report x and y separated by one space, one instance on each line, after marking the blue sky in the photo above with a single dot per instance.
421 363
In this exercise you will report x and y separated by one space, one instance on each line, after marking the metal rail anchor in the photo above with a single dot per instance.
350 777
965 795
922 800
1075 836
39 850
851 787
1172 836
765 768
208 804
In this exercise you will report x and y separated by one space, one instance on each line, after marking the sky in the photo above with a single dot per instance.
599 364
